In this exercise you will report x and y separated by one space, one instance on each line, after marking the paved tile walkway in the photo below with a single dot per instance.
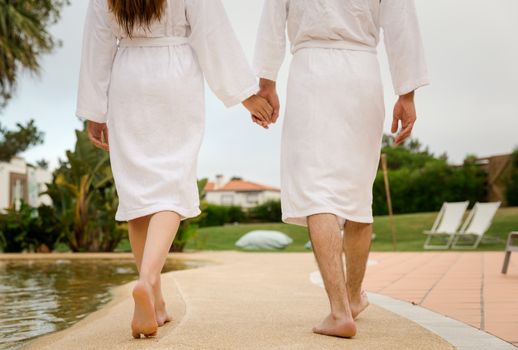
466 286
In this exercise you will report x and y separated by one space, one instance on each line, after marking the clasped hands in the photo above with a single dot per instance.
264 106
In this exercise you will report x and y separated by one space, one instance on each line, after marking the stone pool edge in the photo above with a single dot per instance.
119 294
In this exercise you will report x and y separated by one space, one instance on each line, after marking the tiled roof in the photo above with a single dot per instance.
239 186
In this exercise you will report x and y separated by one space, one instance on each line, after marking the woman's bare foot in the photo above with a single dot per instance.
144 321
336 327
161 314
357 306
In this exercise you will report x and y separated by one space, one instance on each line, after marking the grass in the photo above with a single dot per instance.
409 228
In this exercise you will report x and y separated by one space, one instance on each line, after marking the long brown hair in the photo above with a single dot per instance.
131 13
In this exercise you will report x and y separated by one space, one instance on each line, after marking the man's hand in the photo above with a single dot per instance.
260 109
404 112
268 90
96 131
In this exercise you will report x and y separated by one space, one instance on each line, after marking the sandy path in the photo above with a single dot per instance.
243 301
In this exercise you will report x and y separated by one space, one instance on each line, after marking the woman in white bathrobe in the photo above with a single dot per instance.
141 85
333 127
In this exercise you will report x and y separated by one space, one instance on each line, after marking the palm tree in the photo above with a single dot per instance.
24 36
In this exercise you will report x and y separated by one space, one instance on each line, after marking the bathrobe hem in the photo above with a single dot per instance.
265 74
300 218
133 214
81 113
232 101
412 86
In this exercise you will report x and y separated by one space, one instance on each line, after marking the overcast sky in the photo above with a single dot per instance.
470 108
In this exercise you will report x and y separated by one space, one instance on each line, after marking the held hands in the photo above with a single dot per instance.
96 131
264 106
404 112
260 109
268 90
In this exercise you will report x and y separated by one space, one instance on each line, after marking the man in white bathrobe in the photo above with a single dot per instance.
333 126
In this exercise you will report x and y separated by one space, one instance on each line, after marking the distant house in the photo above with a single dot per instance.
241 193
21 181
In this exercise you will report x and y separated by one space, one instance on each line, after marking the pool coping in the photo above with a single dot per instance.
457 333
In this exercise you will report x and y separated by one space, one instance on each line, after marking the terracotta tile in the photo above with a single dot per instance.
468 318
506 318
450 305
465 310
451 282
501 306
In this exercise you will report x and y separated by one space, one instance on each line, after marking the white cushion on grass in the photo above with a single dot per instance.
264 240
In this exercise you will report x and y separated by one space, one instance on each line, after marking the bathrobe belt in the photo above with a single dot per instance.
153 41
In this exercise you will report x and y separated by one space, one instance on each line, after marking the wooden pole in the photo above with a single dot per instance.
389 200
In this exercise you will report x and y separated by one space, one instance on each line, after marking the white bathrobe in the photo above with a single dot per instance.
334 117
150 92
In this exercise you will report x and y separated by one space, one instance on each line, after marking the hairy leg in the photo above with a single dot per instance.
356 246
327 246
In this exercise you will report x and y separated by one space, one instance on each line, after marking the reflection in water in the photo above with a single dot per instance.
42 296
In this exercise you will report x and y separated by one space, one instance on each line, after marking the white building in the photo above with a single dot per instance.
19 180
241 193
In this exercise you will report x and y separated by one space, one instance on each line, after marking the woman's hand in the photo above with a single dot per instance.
404 111
268 90
260 109
96 131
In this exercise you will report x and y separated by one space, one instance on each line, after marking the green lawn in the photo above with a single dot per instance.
409 230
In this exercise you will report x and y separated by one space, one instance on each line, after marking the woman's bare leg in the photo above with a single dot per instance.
137 230
161 231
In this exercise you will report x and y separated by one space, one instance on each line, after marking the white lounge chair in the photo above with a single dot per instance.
511 247
477 223
446 224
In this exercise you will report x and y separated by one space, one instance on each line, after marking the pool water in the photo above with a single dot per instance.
41 296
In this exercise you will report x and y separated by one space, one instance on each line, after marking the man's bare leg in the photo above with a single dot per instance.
162 229
137 232
325 238
356 244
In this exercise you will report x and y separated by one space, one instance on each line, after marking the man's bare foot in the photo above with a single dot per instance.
357 306
144 315
332 326
161 314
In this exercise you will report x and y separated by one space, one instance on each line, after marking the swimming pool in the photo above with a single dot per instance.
40 296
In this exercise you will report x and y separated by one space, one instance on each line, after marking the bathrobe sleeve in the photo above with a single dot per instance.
98 52
219 53
270 48
403 44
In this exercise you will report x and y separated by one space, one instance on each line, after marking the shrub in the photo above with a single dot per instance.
29 229
267 212
218 215
512 187
426 188
189 228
